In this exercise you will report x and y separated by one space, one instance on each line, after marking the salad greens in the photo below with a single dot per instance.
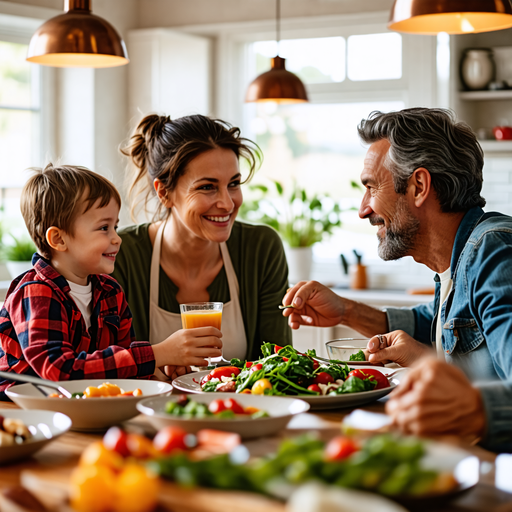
385 464
291 372
357 357
187 408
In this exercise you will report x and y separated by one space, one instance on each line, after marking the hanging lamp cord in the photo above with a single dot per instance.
278 24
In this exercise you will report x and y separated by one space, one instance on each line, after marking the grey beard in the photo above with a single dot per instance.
400 236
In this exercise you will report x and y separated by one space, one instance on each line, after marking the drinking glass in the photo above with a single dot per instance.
202 314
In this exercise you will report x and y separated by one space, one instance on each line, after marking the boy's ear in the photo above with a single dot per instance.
55 239
163 194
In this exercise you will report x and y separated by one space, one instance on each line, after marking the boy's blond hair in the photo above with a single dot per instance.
55 196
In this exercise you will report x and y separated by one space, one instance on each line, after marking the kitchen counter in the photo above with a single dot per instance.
395 298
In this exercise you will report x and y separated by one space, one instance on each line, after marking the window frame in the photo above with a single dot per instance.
18 29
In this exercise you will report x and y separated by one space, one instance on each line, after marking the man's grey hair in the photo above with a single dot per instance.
431 138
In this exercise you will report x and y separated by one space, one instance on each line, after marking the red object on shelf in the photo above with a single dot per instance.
502 132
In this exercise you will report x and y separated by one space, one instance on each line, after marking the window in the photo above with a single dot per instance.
347 75
20 132
317 144
311 59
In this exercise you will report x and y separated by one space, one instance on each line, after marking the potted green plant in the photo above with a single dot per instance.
18 255
300 218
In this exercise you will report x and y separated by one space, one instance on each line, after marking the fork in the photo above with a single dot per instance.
37 382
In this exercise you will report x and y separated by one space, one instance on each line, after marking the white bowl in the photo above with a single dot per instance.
45 426
280 410
89 414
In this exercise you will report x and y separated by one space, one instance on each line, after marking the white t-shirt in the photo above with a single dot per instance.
446 286
82 295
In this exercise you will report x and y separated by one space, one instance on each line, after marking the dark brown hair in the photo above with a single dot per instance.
55 196
161 148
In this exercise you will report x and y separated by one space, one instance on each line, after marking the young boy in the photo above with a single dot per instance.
64 318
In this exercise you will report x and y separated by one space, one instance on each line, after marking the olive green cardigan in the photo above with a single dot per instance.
260 264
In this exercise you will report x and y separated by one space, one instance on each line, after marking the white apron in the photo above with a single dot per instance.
163 323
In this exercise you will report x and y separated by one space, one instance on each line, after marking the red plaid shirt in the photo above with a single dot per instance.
42 331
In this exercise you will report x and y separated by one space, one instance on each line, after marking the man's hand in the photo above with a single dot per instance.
314 304
435 398
397 347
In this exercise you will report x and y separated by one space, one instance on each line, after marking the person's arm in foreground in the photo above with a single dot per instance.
316 305
435 398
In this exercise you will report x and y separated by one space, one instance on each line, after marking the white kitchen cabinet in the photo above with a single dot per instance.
169 73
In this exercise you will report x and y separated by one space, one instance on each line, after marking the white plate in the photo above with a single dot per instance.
45 426
89 414
281 411
190 384
440 457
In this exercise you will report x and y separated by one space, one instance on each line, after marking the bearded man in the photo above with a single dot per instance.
423 179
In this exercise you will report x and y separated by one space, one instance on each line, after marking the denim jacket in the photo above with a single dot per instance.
476 317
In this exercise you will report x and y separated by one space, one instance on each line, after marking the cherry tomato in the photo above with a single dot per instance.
246 391
116 439
315 387
221 371
285 359
323 378
365 373
170 439
217 406
316 364
277 348
140 446
224 371
234 406
248 364
340 448
256 367
216 438
260 385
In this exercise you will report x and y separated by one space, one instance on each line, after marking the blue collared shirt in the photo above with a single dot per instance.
476 317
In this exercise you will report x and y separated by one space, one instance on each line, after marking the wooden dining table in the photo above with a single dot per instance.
54 462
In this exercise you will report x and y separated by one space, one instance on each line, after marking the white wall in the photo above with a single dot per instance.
172 13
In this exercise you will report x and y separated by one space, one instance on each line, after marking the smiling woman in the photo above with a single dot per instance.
195 250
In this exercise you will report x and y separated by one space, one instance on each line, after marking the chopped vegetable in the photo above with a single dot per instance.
385 464
359 356
220 409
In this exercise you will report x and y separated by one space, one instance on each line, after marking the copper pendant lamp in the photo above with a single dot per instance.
77 38
431 17
278 84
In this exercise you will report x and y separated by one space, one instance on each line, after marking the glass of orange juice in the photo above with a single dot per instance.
201 314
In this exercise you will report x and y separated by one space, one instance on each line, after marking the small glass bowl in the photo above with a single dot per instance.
341 349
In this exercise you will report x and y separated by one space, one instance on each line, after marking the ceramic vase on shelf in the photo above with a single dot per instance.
477 68
300 261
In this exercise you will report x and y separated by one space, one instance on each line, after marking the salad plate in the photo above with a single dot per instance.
191 383
280 411
89 414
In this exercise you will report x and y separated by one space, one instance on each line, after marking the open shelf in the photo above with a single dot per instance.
486 95
496 146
